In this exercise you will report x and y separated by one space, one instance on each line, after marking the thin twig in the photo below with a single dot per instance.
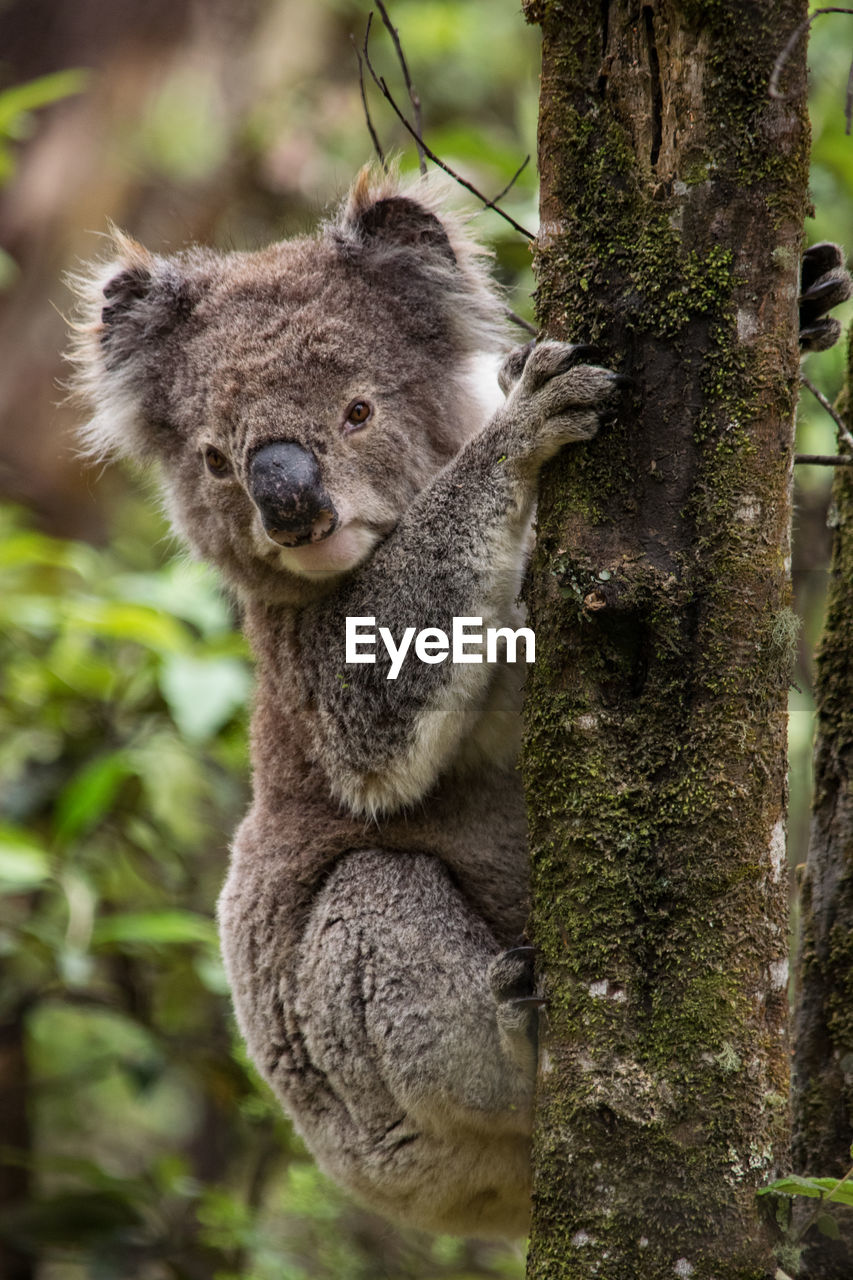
520 320
377 147
773 87
823 459
513 180
413 96
848 102
843 433
430 154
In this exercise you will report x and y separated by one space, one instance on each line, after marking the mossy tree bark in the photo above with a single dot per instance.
823 1022
673 202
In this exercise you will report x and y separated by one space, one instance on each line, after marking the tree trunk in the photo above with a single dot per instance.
673 201
823 1022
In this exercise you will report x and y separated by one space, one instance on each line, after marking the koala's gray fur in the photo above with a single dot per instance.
379 878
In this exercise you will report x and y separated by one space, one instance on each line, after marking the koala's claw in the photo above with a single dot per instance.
560 397
549 359
820 336
511 976
825 282
513 985
552 358
513 366
529 1002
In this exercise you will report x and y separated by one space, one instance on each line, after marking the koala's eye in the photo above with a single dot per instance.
358 413
216 463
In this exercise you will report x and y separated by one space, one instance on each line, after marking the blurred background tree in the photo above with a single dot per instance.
136 1141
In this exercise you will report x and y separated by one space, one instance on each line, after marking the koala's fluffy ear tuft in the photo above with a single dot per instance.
381 217
399 221
410 227
143 298
127 306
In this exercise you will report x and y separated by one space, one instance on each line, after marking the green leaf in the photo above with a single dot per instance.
827 1226
203 693
22 98
27 550
154 928
794 1185
23 865
89 795
842 1194
188 591
135 622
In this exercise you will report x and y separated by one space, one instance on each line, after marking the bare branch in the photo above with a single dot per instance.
377 147
843 433
428 152
773 88
521 322
823 460
513 180
413 96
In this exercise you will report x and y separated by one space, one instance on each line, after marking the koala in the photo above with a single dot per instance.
318 417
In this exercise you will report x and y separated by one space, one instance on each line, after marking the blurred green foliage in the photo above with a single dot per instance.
149 1148
16 121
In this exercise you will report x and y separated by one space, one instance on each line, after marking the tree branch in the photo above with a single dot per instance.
377 147
413 96
823 460
843 433
380 83
513 180
779 66
521 322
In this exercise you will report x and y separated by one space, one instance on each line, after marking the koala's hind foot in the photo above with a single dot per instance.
513 984
825 283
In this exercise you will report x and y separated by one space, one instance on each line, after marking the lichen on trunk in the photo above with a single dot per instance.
673 200
823 1022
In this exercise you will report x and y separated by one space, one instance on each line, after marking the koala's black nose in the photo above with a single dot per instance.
285 484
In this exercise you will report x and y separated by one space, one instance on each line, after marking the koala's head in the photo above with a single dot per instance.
295 399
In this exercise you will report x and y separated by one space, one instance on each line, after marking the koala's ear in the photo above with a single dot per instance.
143 297
403 223
381 218
128 308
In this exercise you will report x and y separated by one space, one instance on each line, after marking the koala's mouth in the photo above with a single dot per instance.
322 526
340 550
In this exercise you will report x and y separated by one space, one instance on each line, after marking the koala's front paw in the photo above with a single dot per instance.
824 284
559 398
